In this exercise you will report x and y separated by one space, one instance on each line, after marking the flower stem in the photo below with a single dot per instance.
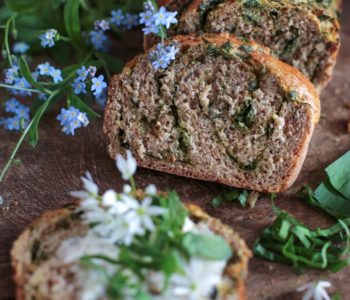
132 182
19 88
15 150
65 39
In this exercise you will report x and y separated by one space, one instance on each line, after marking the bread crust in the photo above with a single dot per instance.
236 270
289 78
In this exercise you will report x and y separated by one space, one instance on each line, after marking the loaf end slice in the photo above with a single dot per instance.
40 273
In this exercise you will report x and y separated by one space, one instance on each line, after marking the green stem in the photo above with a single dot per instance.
15 150
132 182
65 39
98 56
19 88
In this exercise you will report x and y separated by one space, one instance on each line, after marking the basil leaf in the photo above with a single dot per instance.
81 105
209 246
339 175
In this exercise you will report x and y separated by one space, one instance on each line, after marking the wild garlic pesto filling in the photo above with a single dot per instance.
305 35
214 106
92 285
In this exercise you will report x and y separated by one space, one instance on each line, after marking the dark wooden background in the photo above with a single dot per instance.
48 172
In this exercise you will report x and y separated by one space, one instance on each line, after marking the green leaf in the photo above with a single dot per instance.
72 22
28 75
177 212
329 198
33 134
82 106
25 6
209 246
339 175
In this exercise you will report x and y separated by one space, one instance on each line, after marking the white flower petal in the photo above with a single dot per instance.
156 211
324 284
109 198
151 190
147 221
127 189
323 294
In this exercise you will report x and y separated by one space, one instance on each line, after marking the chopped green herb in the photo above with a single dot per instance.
229 196
290 242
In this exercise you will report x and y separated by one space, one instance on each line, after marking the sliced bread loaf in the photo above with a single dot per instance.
302 33
224 111
42 273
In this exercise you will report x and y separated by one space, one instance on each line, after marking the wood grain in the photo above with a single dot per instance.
48 172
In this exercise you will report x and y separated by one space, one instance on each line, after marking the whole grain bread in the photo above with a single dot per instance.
224 111
302 33
40 275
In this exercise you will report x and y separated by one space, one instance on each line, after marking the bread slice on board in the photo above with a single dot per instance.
41 274
302 33
224 111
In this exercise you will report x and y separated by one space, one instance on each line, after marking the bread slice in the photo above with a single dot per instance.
302 33
224 111
41 274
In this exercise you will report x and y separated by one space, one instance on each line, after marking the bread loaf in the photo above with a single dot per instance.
302 33
224 111
40 272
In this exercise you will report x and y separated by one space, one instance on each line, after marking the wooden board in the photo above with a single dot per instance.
48 172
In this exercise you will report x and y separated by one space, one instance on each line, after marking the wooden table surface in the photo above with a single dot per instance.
47 173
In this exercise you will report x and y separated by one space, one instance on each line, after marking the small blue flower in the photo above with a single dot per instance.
101 25
13 124
92 71
98 85
11 105
56 75
48 38
101 99
148 5
82 73
161 56
131 21
79 86
22 83
71 119
147 18
20 47
23 112
165 18
44 69
11 74
117 17
151 29
98 39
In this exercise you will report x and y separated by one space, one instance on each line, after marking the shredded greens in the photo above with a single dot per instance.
230 196
291 242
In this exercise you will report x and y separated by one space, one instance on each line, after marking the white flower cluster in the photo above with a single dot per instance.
117 217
